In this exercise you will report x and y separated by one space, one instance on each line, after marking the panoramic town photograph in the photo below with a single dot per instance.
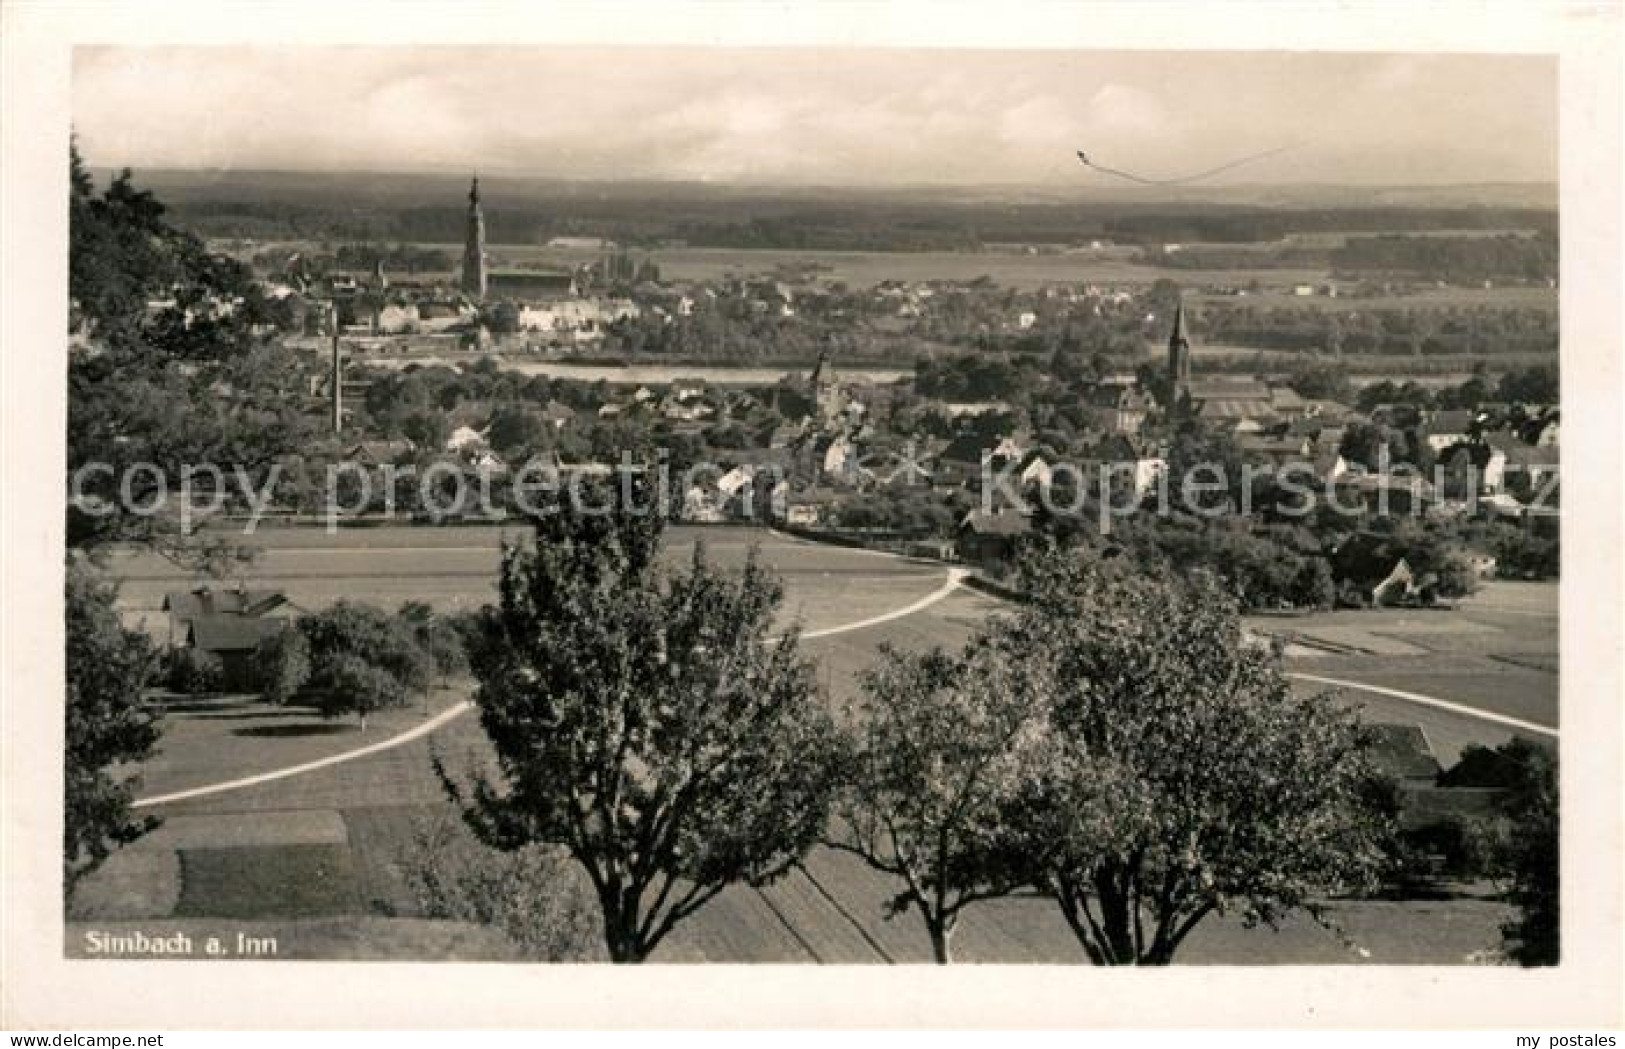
812 506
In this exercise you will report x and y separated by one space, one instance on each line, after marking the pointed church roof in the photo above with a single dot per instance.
474 191
1178 334
818 373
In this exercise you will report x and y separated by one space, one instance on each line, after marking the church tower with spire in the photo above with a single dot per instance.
474 275
1179 355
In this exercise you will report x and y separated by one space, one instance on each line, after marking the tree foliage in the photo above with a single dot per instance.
1533 856
1184 777
187 386
362 659
439 636
646 719
107 669
355 686
282 665
191 671
938 751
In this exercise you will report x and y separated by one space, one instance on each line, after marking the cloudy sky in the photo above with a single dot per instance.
828 117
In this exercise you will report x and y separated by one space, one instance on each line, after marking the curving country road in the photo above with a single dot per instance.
1449 721
951 583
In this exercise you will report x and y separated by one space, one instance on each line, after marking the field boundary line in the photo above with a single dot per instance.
1429 701
408 736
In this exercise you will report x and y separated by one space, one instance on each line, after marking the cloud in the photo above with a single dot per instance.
831 116
1116 109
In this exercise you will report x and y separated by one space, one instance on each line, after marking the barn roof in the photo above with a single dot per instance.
1004 522
204 601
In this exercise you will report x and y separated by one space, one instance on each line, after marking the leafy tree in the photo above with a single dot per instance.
502 319
107 669
1469 395
1322 381
941 746
512 428
438 636
1520 555
1454 576
645 719
355 686
1185 778
1534 937
1313 586
1369 443
1535 385
192 672
166 392
1388 392
282 665
426 429
354 630
1205 456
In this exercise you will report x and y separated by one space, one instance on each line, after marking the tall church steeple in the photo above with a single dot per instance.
474 276
1179 352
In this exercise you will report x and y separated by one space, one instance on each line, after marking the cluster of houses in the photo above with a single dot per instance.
831 442
1496 451
545 304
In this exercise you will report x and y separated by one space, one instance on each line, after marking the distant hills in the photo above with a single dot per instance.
429 208
422 189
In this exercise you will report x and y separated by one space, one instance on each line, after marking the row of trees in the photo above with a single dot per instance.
1537 384
1453 259
350 658
1112 746
1413 331
1250 224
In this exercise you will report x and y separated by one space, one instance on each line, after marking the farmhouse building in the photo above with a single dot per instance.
185 607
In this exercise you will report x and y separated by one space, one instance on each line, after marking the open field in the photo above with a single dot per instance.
315 859
1527 297
862 269
454 568
1110 265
